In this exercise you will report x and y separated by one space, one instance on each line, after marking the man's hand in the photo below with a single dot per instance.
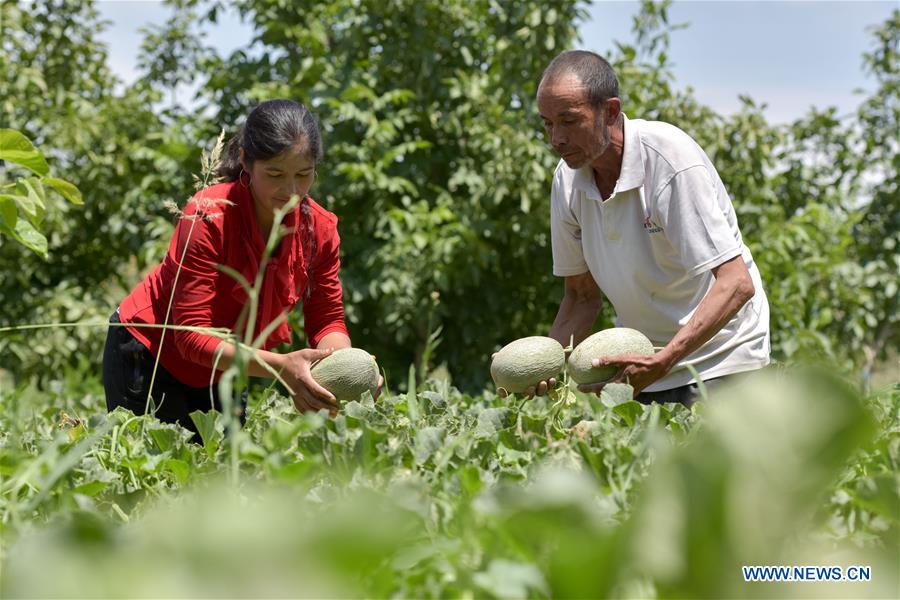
636 369
536 390
378 388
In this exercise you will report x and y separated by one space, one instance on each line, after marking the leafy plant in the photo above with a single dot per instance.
28 194
437 493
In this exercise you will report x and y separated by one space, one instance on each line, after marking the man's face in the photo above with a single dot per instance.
575 130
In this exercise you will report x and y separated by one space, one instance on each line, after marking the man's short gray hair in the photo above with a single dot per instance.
592 70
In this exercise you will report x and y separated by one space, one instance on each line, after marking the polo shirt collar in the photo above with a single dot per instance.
584 181
631 175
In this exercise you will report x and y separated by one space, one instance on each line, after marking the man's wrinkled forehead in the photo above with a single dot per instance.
561 93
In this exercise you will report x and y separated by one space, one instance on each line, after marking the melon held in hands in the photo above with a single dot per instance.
606 344
526 362
347 373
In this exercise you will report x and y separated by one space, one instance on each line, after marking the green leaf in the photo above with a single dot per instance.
614 394
8 212
490 420
776 444
280 434
210 428
164 437
470 480
428 440
32 201
31 238
18 149
179 468
91 488
508 579
65 189
412 403
629 411
66 463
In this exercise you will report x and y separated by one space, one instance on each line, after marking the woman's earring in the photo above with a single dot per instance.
241 178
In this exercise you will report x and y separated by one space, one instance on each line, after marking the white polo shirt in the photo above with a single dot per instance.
652 245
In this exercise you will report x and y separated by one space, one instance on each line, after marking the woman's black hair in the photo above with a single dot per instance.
270 129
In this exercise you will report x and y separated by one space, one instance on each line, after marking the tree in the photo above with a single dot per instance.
112 146
435 162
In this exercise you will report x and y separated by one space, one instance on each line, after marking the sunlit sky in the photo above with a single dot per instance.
790 55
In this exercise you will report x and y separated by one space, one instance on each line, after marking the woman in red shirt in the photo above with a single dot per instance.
270 160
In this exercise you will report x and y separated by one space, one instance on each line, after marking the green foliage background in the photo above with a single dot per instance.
434 493
436 166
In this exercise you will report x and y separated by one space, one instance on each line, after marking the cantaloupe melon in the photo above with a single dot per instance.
605 344
526 362
347 373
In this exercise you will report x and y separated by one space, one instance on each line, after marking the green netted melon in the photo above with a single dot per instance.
605 344
347 373
526 362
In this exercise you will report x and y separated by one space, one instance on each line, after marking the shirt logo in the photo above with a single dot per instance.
651 227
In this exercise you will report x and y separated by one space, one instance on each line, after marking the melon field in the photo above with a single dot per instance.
435 493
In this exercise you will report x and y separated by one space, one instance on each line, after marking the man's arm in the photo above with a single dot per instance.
732 289
578 310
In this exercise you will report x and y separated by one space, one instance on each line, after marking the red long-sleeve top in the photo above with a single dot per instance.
219 227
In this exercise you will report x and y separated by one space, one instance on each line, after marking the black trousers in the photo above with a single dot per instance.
686 394
127 370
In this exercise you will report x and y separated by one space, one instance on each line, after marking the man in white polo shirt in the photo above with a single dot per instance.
640 215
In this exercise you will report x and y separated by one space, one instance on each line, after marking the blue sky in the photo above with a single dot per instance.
790 55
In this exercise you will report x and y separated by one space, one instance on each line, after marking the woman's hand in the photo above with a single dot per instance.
308 395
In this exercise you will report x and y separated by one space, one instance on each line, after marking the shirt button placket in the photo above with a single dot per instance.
610 231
